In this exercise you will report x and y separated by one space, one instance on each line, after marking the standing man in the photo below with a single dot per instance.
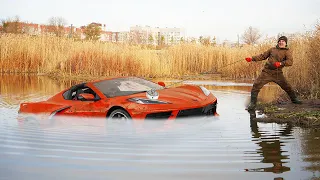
278 57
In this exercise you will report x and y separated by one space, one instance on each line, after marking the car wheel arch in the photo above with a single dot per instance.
115 108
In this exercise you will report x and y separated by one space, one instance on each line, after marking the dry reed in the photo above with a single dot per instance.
67 57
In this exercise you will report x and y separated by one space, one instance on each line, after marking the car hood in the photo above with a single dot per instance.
180 95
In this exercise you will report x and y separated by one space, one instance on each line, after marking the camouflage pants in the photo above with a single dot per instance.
266 77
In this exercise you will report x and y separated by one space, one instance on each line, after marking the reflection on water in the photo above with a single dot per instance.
270 148
230 147
15 89
311 150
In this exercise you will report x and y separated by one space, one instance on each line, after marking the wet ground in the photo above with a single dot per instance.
228 147
306 114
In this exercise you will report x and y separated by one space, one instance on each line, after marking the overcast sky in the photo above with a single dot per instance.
223 19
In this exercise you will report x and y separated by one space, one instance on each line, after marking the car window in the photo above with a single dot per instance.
66 95
74 92
125 86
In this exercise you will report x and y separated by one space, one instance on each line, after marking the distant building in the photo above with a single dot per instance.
143 35
30 28
106 36
150 35
172 35
114 36
124 37
136 35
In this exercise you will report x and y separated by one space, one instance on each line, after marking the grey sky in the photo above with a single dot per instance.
223 19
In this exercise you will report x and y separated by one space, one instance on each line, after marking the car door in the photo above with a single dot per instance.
87 108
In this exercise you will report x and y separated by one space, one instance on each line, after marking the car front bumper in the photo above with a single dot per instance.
208 109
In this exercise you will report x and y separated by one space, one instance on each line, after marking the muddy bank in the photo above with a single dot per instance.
304 115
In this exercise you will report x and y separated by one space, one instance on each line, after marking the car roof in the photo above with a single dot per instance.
116 77
109 78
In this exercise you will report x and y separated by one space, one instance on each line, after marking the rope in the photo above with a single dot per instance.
202 73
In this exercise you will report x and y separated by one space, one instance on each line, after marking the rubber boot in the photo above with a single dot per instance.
296 101
294 98
253 102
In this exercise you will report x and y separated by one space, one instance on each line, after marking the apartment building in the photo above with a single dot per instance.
172 35
124 37
154 36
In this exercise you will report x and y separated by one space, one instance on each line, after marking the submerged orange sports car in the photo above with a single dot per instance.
127 98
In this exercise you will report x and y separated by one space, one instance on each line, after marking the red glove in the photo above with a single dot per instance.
248 59
277 64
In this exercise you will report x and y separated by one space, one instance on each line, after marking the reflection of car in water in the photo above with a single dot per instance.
126 98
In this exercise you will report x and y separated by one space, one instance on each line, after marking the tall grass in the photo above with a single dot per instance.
66 57
47 54
304 74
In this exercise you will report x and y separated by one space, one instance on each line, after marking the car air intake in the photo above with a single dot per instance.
160 115
202 111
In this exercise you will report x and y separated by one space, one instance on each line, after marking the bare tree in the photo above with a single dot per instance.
200 39
56 26
181 40
12 25
205 41
251 35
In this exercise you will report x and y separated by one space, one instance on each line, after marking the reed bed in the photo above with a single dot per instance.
66 57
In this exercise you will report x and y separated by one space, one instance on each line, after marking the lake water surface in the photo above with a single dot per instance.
228 147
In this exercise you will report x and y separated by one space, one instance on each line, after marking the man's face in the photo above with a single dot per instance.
282 44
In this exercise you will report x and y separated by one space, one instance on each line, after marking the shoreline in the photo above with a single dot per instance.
302 115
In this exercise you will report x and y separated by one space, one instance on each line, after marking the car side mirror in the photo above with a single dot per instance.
162 84
86 97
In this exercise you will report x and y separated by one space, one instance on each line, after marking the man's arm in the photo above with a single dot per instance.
289 59
262 56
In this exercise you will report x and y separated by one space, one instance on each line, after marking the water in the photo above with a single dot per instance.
228 147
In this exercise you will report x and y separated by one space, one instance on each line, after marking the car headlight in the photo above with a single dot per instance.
147 101
205 90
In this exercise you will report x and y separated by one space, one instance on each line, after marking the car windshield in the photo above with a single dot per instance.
125 86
